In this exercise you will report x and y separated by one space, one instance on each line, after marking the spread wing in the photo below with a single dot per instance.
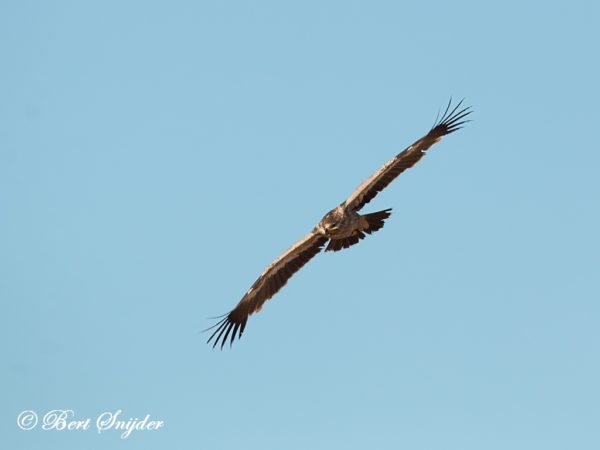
274 277
451 120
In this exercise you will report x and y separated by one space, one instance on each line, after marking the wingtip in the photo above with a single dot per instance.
229 328
452 119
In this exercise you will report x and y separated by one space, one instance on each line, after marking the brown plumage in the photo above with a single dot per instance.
342 227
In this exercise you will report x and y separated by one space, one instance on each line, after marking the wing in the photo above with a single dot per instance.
274 277
451 121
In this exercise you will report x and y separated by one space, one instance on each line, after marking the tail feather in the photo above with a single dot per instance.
376 220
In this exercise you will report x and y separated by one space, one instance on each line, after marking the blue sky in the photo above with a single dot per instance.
156 156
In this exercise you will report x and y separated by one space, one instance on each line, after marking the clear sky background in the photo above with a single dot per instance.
156 156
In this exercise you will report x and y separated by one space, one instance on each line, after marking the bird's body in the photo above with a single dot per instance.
339 222
344 227
341 227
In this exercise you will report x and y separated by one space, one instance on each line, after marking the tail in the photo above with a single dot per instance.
375 221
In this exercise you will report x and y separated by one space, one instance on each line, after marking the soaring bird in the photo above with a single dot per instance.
340 228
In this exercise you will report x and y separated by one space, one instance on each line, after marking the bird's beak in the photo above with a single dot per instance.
329 228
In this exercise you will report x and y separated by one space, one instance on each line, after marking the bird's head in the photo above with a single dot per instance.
329 224
330 228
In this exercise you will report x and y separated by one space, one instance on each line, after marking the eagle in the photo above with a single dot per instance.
340 228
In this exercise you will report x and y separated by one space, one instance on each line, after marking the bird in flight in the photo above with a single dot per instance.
340 228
